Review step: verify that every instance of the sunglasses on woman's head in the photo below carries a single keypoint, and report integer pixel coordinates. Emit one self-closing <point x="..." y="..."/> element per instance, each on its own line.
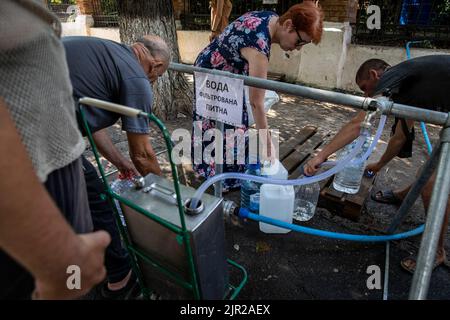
<point x="300" y="42"/>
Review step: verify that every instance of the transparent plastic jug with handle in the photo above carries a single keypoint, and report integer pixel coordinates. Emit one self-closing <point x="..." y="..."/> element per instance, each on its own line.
<point x="305" y="203"/>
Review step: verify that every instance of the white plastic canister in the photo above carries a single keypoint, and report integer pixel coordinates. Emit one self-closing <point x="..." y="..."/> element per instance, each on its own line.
<point x="276" y="202"/>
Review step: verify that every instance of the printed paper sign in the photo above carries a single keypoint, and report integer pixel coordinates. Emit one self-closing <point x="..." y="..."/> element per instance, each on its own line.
<point x="219" y="98"/>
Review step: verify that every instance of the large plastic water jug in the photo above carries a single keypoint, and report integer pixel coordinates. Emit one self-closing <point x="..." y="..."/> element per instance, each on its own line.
<point x="348" y="180"/>
<point x="274" y="170"/>
<point x="276" y="201"/>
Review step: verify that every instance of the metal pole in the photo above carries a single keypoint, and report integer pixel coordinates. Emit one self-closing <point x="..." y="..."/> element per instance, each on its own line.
<point x="219" y="165"/>
<point x="398" y="110"/>
<point x="313" y="93"/>
<point x="416" y="189"/>
<point x="386" y="271"/>
<point x="413" y="113"/>
<point x="436" y="213"/>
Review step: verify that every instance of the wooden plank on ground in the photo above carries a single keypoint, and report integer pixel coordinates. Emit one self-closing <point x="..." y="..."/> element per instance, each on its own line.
<point x="288" y="146"/>
<point x="294" y="162"/>
<point x="364" y="190"/>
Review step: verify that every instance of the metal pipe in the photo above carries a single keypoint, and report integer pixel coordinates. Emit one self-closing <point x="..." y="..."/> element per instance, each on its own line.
<point x="386" y="272"/>
<point x="313" y="93"/>
<point x="416" y="189"/>
<point x="436" y="213"/>
<point x="219" y="164"/>
<point x="398" y="110"/>
<point x="113" y="107"/>
<point x="413" y="113"/>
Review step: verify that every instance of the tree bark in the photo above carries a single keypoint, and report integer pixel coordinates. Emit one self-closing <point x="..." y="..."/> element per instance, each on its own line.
<point x="139" y="17"/>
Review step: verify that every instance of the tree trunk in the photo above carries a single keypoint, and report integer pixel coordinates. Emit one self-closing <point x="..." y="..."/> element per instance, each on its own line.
<point x="139" y="17"/>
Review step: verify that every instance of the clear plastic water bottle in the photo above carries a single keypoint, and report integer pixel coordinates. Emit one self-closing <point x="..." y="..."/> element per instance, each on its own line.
<point x="254" y="202"/>
<point x="249" y="188"/>
<point x="305" y="203"/>
<point x="348" y="180"/>
<point x="119" y="186"/>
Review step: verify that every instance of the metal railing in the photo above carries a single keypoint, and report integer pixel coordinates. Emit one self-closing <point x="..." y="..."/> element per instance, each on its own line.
<point x="440" y="157"/>
<point x="105" y="13"/>
<point x="403" y="21"/>
<point x="196" y="13"/>
<point x="62" y="11"/>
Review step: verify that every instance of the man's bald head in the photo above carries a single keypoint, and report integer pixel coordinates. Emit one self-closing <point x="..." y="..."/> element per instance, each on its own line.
<point x="157" y="47"/>
<point x="153" y="55"/>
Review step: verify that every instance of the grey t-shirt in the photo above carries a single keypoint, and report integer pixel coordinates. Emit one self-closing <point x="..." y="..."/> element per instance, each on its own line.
<point x="109" y="71"/>
<point x="35" y="85"/>
<point x="421" y="82"/>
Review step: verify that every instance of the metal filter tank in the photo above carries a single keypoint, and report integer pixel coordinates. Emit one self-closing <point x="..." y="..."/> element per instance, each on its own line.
<point x="206" y="231"/>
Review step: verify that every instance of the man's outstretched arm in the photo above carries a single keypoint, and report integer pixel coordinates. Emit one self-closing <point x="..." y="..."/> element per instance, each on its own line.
<point x="107" y="149"/>
<point x="394" y="146"/>
<point x="347" y="134"/>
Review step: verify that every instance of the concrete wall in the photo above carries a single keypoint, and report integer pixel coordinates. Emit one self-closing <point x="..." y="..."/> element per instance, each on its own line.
<point x="331" y="64"/>
<point x="357" y="54"/>
<point x="106" y="33"/>
<point x="190" y="43"/>
<point x="72" y="29"/>
<point x="319" y="64"/>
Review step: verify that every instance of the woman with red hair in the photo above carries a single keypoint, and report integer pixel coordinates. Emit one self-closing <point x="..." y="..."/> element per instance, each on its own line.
<point x="244" y="48"/>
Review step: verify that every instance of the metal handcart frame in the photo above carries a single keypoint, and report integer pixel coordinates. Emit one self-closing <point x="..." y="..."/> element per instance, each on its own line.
<point x="181" y="233"/>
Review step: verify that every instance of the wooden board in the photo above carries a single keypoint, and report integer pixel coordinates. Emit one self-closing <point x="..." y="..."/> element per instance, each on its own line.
<point x="347" y="205"/>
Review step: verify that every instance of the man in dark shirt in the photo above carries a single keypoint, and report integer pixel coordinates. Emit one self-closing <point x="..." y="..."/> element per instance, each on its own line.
<point x="110" y="71"/>
<point x="421" y="82"/>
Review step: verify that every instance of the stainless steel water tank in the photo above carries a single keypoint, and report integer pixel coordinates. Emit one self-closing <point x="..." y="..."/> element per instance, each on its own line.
<point x="206" y="231"/>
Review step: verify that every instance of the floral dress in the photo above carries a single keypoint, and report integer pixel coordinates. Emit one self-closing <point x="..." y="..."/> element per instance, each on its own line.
<point x="248" y="31"/>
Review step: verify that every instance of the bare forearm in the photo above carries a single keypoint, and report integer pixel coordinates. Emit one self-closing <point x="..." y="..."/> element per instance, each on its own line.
<point x="142" y="154"/>
<point x="29" y="220"/>
<point x="260" y="116"/>
<point x="108" y="149"/>
<point x="393" y="148"/>
<point x="147" y="165"/>
<point x="346" y="135"/>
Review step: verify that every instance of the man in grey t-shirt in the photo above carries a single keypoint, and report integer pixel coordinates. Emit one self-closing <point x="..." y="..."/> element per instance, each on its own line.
<point x="114" y="72"/>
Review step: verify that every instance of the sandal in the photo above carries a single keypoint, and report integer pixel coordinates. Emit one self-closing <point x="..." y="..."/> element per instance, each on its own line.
<point x="409" y="264"/>
<point x="386" y="196"/>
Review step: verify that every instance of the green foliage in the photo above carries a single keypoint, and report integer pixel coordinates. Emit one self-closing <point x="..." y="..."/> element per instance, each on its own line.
<point x="109" y="7"/>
